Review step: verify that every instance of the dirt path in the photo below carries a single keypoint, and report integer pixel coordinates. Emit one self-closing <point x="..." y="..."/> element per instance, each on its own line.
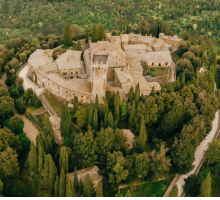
<point x="199" y="156"/>
<point x="3" y="78"/>
<point x="29" y="129"/>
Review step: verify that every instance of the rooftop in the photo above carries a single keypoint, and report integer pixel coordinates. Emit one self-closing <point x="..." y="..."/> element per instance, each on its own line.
<point x="146" y="39"/>
<point x="124" y="38"/>
<point x="124" y="76"/>
<point x="81" y="174"/>
<point x="174" y="38"/>
<point x="135" y="47"/>
<point x="127" y="133"/>
<point x="133" y="37"/>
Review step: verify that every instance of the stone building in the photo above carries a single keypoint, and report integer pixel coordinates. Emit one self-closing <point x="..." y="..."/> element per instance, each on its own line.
<point x="92" y="171"/>
<point x="130" y="138"/>
<point x="174" y="41"/>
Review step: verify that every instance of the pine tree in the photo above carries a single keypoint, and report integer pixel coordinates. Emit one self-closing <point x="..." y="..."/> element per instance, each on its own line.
<point x="182" y="83"/>
<point x="142" y="134"/>
<point x="78" y="46"/>
<point x="76" y="183"/>
<point x="67" y="35"/>
<point x="87" y="36"/>
<point x="117" y="107"/>
<point x="69" y="187"/>
<point x="96" y="103"/>
<point x="80" y="191"/>
<point x="131" y="117"/>
<point x="205" y="190"/>
<point x="65" y="124"/>
<point x="174" y="192"/>
<point x="169" y="88"/>
<point x="56" y="187"/>
<point x="32" y="158"/>
<point x="137" y="94"/>
<point x="128" y="194"/>
<point x="152" y="92"/>
<point x="99" y="191"/>
<point x="111" y="123"/>
<point x="88" y="187"/>
<point x="106" y="121"/>
<point x="62" y="182"/>
<point x="40" y="159"/>
<point x="75" y="104"/>
<point x="94" y="34"/>
<point x="63" y="159"/>
<point x="90" y="115"/>
<point x="162" y="88"/>
<point x="177" y="86"/>
<point x="95" y="120"/>
<point x="131" y="95"/>
<point x="101" y="33"/>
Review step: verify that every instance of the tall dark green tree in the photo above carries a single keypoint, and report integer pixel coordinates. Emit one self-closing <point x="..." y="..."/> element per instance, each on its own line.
<point x="137" y="94"/>
<point x="63" y="159"/>
<point x="96" y="102"/>
<point x="142" y="134"/>
<point x="90" y="115"/>
<point x="153" y="91"/>
<point x="99" y="191"/>
<point x="65" y="124"/>
<point x="88" y="187"/>
<point x="67" y="35"/>
<point x="177" y="86"/>
<point x="40" y="159"/>
<point x="124" y="108"/>
<point x="69" y="187"/>
<point x="182" y="83"/>
<point x="117" y="107"/>
<point x="111" y="122"/>
<point x="101" y="32"/>
<point x="80" y="191"/>
<point x="62" y="182"/>
<point x="75" y="104"/>
<point x="131" y="117"/>
<point x="87" y="36"/>
<point x="95" y="120"/>
<point x="1" y="188"/>
<point x="32" y="158"/>
<point x="213" y="60"/>
<point x="56" y="187"/>
<point x="131" y="95"/>
<point x="94" y="34"/>
<point x="78" y="46"/>
<point x="76" y="183"/>
<point x="205" y="190"/>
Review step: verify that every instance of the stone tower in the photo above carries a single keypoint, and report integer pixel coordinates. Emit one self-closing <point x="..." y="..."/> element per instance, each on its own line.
<point x="99" y="66"/>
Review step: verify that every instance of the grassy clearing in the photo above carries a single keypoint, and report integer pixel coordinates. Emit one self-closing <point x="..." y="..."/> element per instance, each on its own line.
<point x="154" y="189"/>
<point x="158" y="71"/>
<point x="31" y="109"/>
<point x="43" y="119"/>
<point x="55" y="103"/>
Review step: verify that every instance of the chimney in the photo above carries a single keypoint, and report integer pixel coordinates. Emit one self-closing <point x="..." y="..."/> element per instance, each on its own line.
<point x="58" y="55"/>
<point x="150" y="35"/>
<point x="145" y="34"/>
<point x="39" y="67"/>
<point x="67" y="60"/>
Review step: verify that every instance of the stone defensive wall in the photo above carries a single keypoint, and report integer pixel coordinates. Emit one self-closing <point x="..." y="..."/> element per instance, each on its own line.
<point x="159" y="79"/>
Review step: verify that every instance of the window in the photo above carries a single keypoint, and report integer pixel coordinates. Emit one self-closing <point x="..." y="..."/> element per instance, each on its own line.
<point x="76" y="72"/>
<point x="159" y="64"/>
<point x="82" y="96"/>
<point x="71" y="73"/>
<point x="166" y="63"/>
<point x="64" y="73"/>
<point x="77" y="77"/>
<point x="66" y="91"/>
<point x="71" y="77"/>
<point x="152" y="63"/>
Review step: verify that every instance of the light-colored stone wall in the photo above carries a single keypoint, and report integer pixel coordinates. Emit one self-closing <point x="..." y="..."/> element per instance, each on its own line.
<point x="114" y="90"/>
<point x="159" y="79"/>
<point x="161" y="64"/>
<point x="70" y="73"/>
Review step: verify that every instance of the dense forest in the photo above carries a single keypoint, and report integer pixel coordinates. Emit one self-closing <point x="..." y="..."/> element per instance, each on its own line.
<point x="26" y="17"/>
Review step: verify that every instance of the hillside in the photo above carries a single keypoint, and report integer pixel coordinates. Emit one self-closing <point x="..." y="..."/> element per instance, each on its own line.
<point x="26" y="18"/>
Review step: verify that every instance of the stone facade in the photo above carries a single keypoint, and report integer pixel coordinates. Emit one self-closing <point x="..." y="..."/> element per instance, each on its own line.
<point x="130" y="138"/>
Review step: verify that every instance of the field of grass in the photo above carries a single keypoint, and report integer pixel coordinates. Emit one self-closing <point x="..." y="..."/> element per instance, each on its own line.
<point x="55" y="103"/>
<point x="43" y="119"/>
<point x="158" y="71"/>
<point x="154" y="189"/>
<point x="31" y="109"/>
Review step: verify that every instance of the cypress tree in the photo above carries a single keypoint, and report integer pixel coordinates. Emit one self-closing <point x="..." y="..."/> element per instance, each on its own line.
<point x="197" y="82"/>
<point x="65" y="124"/>
<point x="90" y="115"/>
<point x="80" y="191"/>
<point x="128" y="194"/>
<point x="88" y="187"/>
<point x="32" y="158"/>
<point x="63" y="159"/>
<point x="111" y="123"/>
<point x="50" y="145"/>
<point x="52" y="174"/>
<point x="67" y="35"/>
<point x="212" y="70"/>
<point x="96" y="103"/>
<point x="76" y="183"/>
<point x="137" y="94"/>
<point x="131" y="117"/>
<point x="177" y="86"/>
<point x="169" y="88"/>
<point x="106" y="121"/>
<point x="87" y="36"/>
<point x="131" y="95"/>
<point x="75" y="104"/>
<point x="105" y="106"/>
<point x="56" y="187"/>
<point x="174" y="192"/>
<point x="1" y="188"/>
<point x="152" y="92"/>
<point x="118" y="194"/>
<point x="101" y="32"/>
<point x="62" y="188"/>
<point x="205" y="190"/>
<point x="124" y="109"/>
<point x="117" y="107"/>
<point x="213" y="60"/>
<point x="182" y="83"/>
<point x="95" y="120"/>
<point x="45" y="173"/>
<point x="142" y="97"/>
<point x="102" y="125"/>
<point x="99" y="191"/>
<point x="162" y="88"/>
<point x="40" y="159"/>
<point x="69" y="187"/>
<point x="94" y="34"/>
<point x="78" y="46"/>
<point x="202" y="57"/>
<point x="142" y="134"/>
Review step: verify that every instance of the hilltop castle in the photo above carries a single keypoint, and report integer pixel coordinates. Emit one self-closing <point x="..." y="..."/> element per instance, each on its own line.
<point x="113" y="65"/>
